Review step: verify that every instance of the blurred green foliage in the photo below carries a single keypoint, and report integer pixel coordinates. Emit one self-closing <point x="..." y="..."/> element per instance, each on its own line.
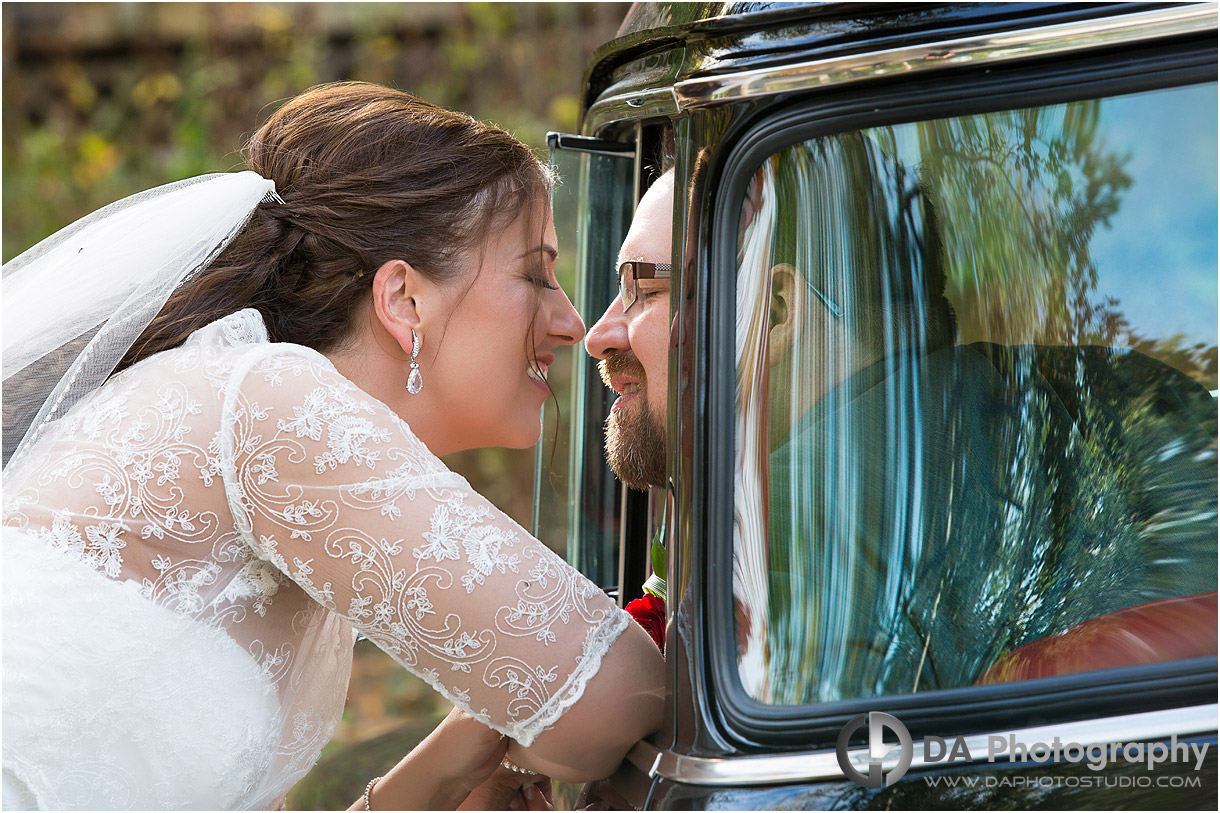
<point x="102" y="100"/>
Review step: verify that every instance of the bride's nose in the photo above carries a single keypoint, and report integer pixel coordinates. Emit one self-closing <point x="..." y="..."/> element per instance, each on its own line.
<point x="566" y="325"/>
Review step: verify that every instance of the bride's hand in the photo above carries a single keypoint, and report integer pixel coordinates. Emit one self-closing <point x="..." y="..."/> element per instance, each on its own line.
<point x="459" y="756"/>
<point x="509" y="790"/>
<point x="463" y="753"/>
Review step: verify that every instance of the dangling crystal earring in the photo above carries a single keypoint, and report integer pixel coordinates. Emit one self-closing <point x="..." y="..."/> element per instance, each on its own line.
<point x="415" y="381"/>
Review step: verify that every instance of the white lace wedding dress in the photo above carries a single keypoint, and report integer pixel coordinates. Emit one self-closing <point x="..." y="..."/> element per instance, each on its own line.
<point x="190" y="553"/>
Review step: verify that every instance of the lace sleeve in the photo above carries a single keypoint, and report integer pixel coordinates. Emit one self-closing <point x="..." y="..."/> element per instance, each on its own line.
<point x="333" y="488"/>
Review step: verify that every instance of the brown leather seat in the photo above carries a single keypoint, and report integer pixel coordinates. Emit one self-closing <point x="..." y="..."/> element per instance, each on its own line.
<point x="1165" y="630"/>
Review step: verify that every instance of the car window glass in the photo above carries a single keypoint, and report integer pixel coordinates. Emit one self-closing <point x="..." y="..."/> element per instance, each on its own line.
<point x="576" y="500"/>
<point x="975" y="400"/>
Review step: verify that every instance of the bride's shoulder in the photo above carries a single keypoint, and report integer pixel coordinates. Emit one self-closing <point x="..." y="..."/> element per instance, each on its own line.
<point x="238" y="351"/>
<point x="237" y="343"/>
<point x="250" y="373"/>
<point x="236" y="333"/>
<point x="235" y="354"/>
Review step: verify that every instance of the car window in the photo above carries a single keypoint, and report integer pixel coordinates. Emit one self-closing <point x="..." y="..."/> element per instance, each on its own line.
<point x="576" y="498"/>
<point x="975" y="399"/>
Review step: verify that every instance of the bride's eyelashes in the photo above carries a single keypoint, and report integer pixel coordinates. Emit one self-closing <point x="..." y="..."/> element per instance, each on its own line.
<point x="541" y="282"/>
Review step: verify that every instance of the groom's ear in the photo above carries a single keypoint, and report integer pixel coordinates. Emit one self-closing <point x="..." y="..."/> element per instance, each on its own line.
<point x="784" y="305"/>
<point x="403" y="300"/>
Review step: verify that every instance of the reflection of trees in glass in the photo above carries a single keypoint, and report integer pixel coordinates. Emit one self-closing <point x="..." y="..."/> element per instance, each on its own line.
<point x="1021" y="194"/>
<point x="1196" y="360"/>
<point x="1083" y="479"/>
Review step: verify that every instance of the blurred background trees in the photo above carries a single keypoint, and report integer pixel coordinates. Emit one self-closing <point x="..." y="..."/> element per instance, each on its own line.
<point x="102" y="100"/>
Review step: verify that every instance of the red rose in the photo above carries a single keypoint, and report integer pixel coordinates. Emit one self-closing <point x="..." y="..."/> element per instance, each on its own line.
<point x="649" y="613"/>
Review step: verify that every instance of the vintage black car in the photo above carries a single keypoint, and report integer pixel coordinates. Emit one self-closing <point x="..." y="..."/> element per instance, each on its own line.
<point x="942" y="400"/>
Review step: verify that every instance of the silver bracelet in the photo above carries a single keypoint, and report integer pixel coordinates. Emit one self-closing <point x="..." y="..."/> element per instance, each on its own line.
<point x="368" y="791"/>
<point x="508" y="763"/>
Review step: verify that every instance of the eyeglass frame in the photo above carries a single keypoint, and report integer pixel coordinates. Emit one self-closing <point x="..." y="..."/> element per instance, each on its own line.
<point x="636" y="270"/>
<point x="641" y="270"/>
<point x="834" y="309"/>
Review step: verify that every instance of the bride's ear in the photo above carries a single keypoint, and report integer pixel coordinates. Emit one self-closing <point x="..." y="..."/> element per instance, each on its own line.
<point x="401" y="296"/>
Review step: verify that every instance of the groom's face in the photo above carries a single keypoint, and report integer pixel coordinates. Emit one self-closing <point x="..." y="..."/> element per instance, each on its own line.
<point x="633" y="346"/>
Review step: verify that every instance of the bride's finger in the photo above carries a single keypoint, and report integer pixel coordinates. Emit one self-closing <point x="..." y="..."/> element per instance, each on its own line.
<point x="535" y="798"/>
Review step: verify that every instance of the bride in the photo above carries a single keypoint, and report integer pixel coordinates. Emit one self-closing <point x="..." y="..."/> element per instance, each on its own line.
<point x="224" y="401"/>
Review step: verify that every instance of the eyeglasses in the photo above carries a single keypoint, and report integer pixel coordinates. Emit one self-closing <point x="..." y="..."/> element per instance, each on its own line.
<point x="629" y="273"/>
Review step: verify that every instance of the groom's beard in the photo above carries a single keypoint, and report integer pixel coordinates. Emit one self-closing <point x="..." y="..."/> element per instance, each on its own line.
<point x="635" y="437"/>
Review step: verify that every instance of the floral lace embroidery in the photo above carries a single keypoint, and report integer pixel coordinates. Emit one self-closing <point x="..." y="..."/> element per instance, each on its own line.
<point x="390" y="549"/>
<point x="251" y="491"/>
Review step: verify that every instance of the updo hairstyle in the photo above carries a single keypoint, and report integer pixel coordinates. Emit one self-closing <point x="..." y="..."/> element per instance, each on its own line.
<point x="367" y="174"/>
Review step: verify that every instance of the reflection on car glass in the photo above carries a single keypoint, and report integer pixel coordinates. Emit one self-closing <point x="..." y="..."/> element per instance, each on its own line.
<point x="959" y="460"/>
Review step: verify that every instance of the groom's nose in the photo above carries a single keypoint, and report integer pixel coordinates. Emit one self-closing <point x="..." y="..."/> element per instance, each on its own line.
<point x="609" y="333"/>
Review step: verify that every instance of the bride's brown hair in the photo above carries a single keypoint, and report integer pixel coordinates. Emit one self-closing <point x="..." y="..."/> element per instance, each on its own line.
<point x="367" y="174"/>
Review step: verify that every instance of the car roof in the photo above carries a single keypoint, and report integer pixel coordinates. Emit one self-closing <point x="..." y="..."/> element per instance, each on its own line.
<point x="707" y="39"/>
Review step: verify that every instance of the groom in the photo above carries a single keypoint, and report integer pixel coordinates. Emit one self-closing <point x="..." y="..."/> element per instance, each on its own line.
<point x="632" y="342"/>
<point x="631" y="339"/>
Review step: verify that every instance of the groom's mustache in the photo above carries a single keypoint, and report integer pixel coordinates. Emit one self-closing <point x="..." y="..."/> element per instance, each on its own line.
<point x="622" y="362"/>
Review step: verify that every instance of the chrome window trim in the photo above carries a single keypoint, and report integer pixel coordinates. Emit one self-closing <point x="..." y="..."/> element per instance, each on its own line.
<point x="637" y="104"/>
<point x="824" y="765"/>
<point x="999" y="47"/>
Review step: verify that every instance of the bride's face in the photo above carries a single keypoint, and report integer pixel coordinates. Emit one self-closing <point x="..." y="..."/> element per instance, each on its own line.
<point x="506" y="317"/>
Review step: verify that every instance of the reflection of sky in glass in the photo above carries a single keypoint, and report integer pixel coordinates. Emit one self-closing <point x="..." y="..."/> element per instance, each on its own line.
<point x="1158" y="257"/>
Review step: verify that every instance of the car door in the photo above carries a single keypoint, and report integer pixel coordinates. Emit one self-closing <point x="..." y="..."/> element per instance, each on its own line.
<point x="943" y="424"/>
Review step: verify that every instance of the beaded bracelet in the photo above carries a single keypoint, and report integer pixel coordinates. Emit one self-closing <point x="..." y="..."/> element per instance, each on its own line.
<point x="368" y="791"/>
<point x="507" y="763"/>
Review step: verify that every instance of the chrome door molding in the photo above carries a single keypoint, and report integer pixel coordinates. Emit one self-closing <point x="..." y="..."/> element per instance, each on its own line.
<point x="634" y="105"/>
<point x="1062" y="38"/>
<point x="824" y="765"/>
